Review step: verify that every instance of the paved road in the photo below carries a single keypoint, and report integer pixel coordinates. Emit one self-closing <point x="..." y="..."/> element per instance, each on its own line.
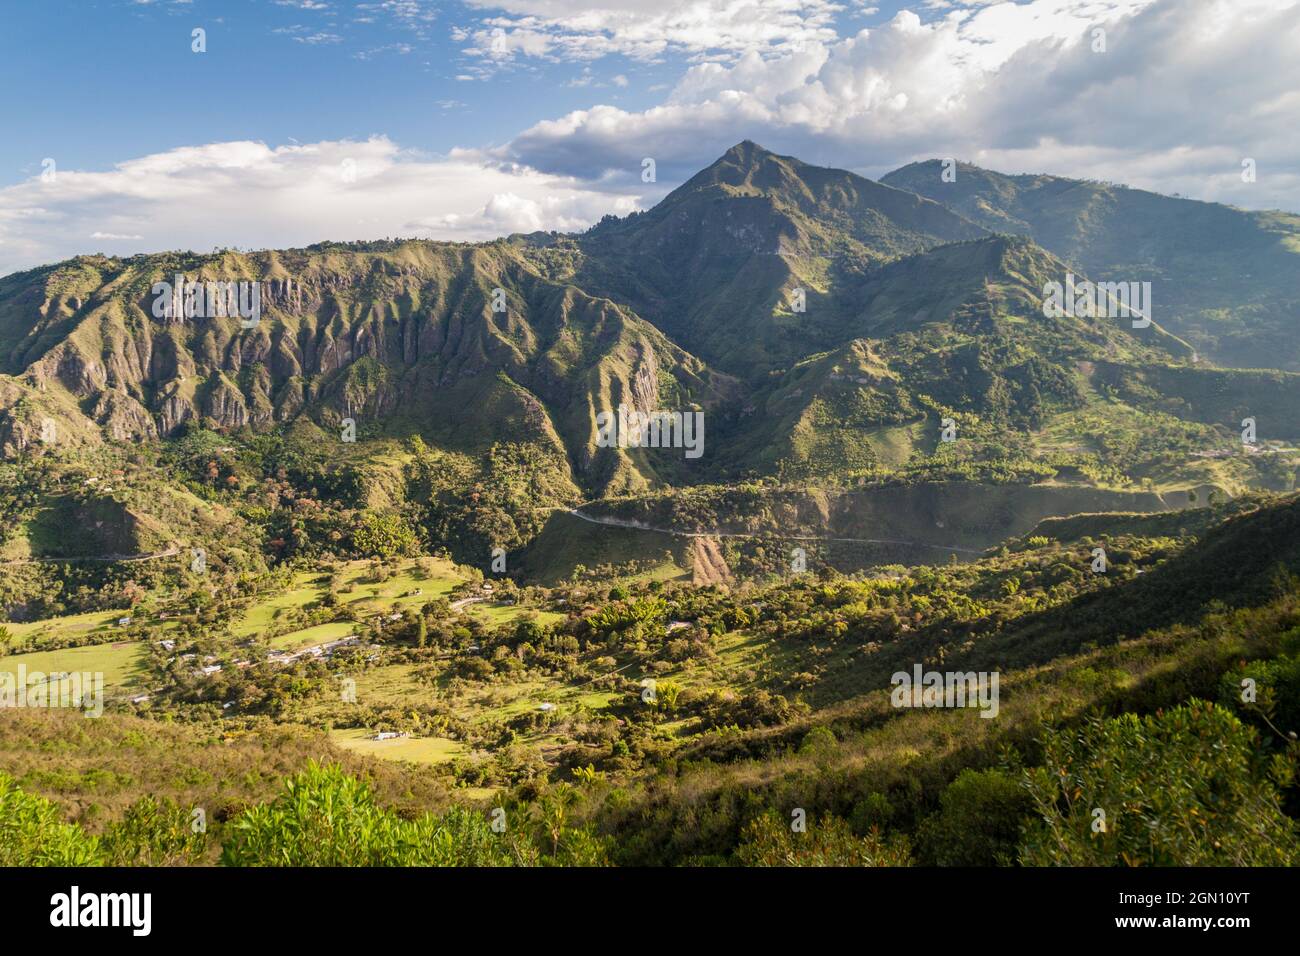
<point x="641" y="526"/>
<point x="169" y="553"/>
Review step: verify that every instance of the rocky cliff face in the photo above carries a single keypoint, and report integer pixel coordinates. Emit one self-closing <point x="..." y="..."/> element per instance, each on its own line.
<point x="833" y="318"/>
<point x="467" y="343"/>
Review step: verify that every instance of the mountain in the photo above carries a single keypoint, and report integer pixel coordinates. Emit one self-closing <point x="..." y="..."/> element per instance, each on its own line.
<point x="957" y="327"/>
<point x="1225" y="279"/>
<point x="396" y="336"/>
<point x="716" y="263"/>
<point x="825" y="326"/>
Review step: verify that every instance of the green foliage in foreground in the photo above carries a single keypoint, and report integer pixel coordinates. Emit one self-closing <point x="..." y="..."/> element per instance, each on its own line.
<point x="152" y="833"/>
<point x="32" y="834"/>
<point x="156" y="833"/>
<point x="979" y="820"/>
<point x="1176" y="789"/>
<point x="1180" y="788"/>
<point x="327" y="818"/>
<point x="324" y="818"/>
<point x="771" y="841"/>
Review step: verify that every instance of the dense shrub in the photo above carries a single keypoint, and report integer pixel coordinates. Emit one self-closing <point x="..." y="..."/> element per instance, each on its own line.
<point x="327" y="818"/>
<point x="155" y="833"/>
<point x="1175" y="789"/>
<point x="979" y="821"/>
<point x="770" y="840"/>
<point x="32" y="833"/>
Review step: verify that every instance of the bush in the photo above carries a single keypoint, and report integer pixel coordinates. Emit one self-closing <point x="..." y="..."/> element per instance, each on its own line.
<point x="32" y="834"/>
<point x="1181" y="788"/>
<point x="979" y="821"/>
<point x="154" y="833"/>
<point x="769" y="841"/>
<point x="327" y="818"/>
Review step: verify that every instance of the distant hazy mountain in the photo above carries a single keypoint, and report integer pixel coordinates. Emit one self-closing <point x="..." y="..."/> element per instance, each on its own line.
<point x="1226" y="279"/>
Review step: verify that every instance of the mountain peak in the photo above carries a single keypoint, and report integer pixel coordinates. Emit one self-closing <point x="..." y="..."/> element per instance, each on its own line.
<point x="746" y="151"/>
<point x="749" y="166"/>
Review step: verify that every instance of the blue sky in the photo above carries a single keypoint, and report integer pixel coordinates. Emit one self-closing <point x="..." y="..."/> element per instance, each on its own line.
<point x="98" y="81"/>
<point x="312" y="119"/>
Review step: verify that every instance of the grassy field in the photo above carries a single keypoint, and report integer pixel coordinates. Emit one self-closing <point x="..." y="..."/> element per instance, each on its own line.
<point x="567" y="542"/>
<point x="505" y="613"/>
<point x="121" y="664"/>
<point x="71" y="625"/>
<point x="427" y="750"/>
<point x="312" y="635"/>
<point x="409" y="587"/>
<point x="308" y="587"/>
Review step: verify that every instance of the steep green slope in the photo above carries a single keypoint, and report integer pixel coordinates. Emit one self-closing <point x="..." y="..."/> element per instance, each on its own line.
<point x="1226" y="279"/>
<point x="1244" y="561"/>
<point x="399" y="337"/>
<point x="718" y="262"/>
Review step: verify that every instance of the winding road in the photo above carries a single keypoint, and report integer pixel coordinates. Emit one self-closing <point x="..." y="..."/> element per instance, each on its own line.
<point x="642" y="526"/>
<point x="111" y="558"/>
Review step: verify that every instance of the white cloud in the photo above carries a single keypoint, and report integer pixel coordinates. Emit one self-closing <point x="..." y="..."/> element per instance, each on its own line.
<point x="413" y="15"/>
<point x="251" y="195"/>
<point x="1185" y="89"/>
<point x="398" y="48"/>
<point x="580" y="30"/>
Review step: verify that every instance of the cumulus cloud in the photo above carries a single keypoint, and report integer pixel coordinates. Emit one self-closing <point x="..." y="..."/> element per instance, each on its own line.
<point x="251" y="195"/>
<point x="1183" y="91"/>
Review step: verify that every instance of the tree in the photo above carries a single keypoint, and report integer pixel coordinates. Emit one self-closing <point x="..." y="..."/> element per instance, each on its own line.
<point x="979" y="820"/>
<point x="552" y="812"/>
<point x="1185" y="787"/>
<point x="383" y="535"/>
